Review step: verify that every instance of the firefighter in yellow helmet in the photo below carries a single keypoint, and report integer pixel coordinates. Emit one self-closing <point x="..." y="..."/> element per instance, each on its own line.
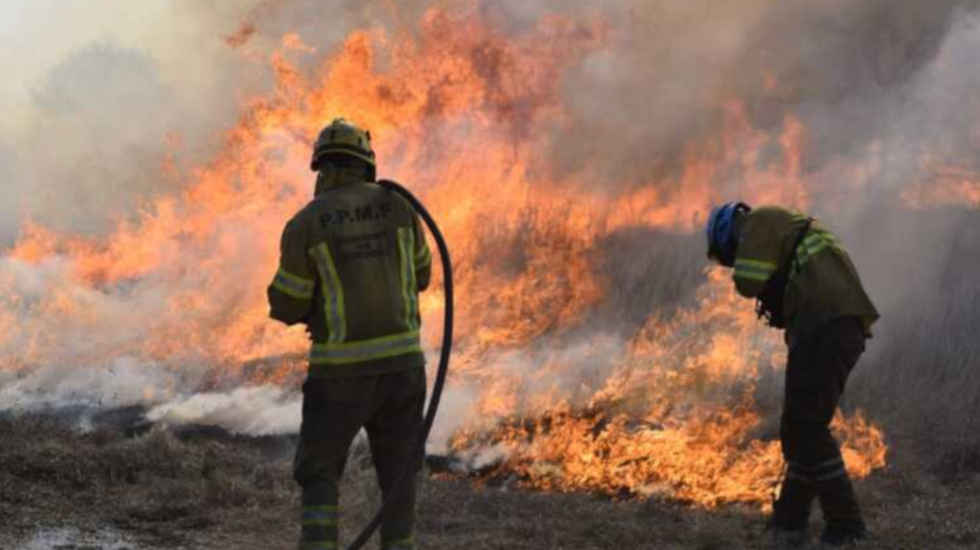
<point x="352" y="264"/>
<point x="804" y="282"/>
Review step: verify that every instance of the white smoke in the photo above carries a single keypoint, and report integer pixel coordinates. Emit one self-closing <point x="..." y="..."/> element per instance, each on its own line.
<point x="102" y="95"/>
<point x="108" y="93"/>
<point x="455" y="407"/>
<point x="123" y="381"/>
<point x="262" y="410"/>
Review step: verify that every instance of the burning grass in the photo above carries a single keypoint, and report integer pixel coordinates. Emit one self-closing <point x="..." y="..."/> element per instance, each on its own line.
<point x="601" y="358"/>
<point x="208" y="489"/>
<point x="714" y="459"/>
<point x="682" y="412"/>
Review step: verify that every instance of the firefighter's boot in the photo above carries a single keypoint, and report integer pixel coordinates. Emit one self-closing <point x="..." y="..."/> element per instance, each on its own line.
<point x="791" y="512"/>
<point x="841" y="513"/>
<point x="786" y="539"/>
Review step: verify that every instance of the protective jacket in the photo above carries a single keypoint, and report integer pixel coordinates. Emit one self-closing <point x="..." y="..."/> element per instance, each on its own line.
<point x="352" y="264"/>
<point x="823" y="283"/>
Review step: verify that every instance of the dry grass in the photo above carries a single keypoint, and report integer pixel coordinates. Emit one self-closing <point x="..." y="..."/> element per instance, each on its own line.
<point x="209" y="491"/>
<point x="163" y="490"/>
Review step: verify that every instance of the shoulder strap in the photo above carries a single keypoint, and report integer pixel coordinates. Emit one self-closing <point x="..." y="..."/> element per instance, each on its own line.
<point x="788" y="264"/>
<point x="770" y="301"/>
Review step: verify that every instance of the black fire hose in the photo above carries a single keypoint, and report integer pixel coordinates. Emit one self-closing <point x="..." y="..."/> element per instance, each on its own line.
<point x="447" y="343"/>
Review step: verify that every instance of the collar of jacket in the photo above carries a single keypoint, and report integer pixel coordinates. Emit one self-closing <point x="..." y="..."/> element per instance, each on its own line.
<point x="332" y="176"/>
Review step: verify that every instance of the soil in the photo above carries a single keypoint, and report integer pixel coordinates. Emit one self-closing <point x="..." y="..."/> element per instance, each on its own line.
<point x="116" y="486"/>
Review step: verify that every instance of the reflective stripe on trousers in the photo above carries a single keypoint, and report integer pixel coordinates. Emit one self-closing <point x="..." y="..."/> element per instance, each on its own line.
<point x="319" y="525"/>
<point x="320" y="515"/>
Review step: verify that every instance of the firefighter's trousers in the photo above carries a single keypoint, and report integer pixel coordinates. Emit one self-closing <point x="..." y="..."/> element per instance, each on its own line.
<point x="816" y="373"/>
<point x="389" y="407"/>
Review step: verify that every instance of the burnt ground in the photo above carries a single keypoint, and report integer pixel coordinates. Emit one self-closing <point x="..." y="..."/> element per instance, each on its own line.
<point x="150" y="487"/>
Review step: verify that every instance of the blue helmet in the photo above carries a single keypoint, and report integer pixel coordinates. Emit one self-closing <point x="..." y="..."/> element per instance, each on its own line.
<point x="721" y="232"/>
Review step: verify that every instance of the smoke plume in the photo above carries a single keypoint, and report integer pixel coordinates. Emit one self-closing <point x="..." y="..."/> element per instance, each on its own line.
<point x="633" y="117"/>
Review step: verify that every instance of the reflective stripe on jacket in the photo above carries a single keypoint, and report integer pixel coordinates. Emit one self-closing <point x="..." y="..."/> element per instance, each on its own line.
<point x="352" y="264"/>
<point x="823" y="282"/>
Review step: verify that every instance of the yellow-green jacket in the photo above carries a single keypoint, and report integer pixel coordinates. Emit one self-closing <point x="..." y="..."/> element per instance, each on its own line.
<point x="352" y="264"/>
<point x="823" y="282"/>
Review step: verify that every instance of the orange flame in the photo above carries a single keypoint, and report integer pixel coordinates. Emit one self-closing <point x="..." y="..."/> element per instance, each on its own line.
<point x="677" y="417"/>
<point x="950" y="185"/>
<point x="458" y="112"/>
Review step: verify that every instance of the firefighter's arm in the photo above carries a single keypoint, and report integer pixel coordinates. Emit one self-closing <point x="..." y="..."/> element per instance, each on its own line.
<point x="423" y="257"/>
<point x="756" y="257"/>
<point x="291" y="290"/>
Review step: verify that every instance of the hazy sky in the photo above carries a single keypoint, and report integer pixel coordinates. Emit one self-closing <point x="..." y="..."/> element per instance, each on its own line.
<point x="93" y="89"/>
<point x="36" y="35"/>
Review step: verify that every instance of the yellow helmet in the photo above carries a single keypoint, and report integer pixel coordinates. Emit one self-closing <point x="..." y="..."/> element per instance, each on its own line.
<point x="343" y="138"/>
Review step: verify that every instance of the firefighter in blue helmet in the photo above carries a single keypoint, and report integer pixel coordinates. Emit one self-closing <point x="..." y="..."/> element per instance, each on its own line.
<point x="804" y="282"/>
<point x="352" y="264"/>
